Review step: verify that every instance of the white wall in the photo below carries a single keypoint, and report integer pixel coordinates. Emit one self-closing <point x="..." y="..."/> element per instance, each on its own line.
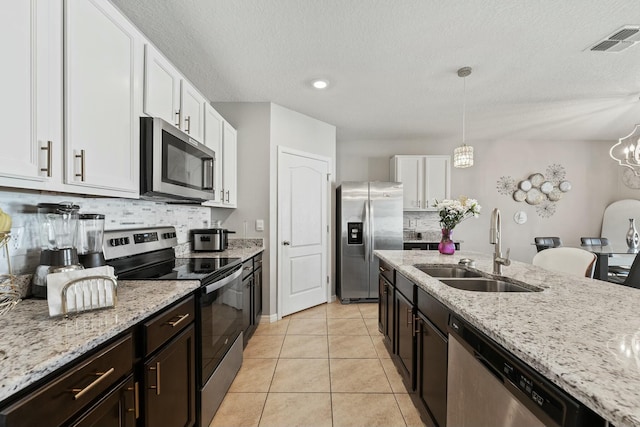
<point x="594" y="176"/>
<point x="262" y="127"/>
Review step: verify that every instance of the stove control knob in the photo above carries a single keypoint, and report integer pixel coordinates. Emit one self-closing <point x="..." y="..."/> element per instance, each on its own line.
<point x="124" y="241"/>
<point x="114" y="242"/>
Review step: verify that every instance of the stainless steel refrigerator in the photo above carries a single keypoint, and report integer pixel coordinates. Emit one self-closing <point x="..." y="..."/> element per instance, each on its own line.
<point x="369" y="215"/>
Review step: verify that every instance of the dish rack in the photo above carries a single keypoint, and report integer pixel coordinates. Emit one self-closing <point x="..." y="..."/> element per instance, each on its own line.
<point x="9" y="292"/>
<point x="91" y="293"/>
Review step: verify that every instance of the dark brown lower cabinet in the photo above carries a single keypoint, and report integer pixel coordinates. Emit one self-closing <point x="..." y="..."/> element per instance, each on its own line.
<point x="404" y="321"/>
<point x="117" y="409"/>
<point x="432" y="369"/>
<point x="385" y="311"/>
<point x="170" y="383"/>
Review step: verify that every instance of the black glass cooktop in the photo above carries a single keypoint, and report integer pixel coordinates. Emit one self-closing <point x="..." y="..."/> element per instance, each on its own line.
<point x="169" y="268"/>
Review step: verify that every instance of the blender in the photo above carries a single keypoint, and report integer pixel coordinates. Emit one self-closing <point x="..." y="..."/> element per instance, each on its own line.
<point x="58" y="231"/>
<point x="90" y="234"/>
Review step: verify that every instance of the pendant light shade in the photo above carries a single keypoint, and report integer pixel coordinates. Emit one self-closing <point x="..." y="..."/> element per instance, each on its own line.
<point x="627" y="151"/>
<point x="463" y="155"/>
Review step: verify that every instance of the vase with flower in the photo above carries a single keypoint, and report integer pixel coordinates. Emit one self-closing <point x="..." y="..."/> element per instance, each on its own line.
<point x="452" y="212"/>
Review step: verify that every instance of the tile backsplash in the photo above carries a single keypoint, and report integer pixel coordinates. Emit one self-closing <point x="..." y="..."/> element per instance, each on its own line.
<point x="425" y="223"/>
<point x="24" y="248"/>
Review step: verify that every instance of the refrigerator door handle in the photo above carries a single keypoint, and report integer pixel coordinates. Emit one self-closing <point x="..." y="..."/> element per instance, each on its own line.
<point x="367" y="231"/>
<point x="371" y="231"/>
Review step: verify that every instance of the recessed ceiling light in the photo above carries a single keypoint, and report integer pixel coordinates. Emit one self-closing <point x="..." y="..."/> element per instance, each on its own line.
<point x="320" y="84"/>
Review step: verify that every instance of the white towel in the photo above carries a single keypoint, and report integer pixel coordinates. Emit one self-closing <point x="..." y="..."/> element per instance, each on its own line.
<point x="85" y="295"/>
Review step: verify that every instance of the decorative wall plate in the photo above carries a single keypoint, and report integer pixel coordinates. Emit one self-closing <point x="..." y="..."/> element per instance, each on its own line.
<point x="564" y="186"/>
<point x="630" y="179"/>
<point x="534" y="197"/>
<point x="519" y="196"/>
<point x="546" y="187"/>
<point x="555" y="195"/>
<point x="525" y="185"/>
<point x="536" y="179"/>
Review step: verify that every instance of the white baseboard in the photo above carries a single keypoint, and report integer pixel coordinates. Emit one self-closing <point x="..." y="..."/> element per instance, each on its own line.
<point x="332" y="298"/>
<point x="269" y="318"/>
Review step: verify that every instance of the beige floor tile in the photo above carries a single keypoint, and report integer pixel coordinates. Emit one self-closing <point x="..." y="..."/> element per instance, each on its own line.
<point x="297" y="409"/>
<point x="301" y="376"/>
<point x="254" y="376"/>
<point x="358" y="376"/>
<point x="351" y="346"/>
<point x="369" y="310"/>
<point x="307" y="327"/>
<point x="409" y="411"/>
<point x="372" y="327"/>
<point x="337" y="310"/>
<point x="240" y="409"/>
<point x="381" y="349"/>
<point x="365" y="410"/>
<point x="263" y="347"/>
<point x="347" y="327"/>
<point x="394" y="377"/>
<point x="305" y="346"/>
<point x="273" y="328"/>
<point x="317" y="312"/>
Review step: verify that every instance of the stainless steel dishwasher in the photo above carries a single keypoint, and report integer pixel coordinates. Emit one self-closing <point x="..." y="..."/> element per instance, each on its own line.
<point x="488" y="386"/>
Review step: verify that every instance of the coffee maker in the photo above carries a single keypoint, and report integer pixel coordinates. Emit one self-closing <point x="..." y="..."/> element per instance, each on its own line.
<point x="58" y="231"/>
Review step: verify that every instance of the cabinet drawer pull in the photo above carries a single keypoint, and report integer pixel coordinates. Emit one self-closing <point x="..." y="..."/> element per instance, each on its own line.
<point x="49" y="156"/>
<point x="227" y="196"/>
<point x="82" y="391"/>
<point x="222" y="195"/>
<point x="188" y="121"/>
<point x="382" y="269"/>
<point x="81" y="157"/>
<point x="180" y="319"/>
<point x="157" y="386"/>
<point x="178" y="117"/>
<point x="409" y="317"/>
<point x="136" y="401"/>
<point x="416" y="326"/>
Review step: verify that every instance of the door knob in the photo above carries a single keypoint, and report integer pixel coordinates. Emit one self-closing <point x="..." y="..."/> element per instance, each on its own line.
<point x="286" y="243"/>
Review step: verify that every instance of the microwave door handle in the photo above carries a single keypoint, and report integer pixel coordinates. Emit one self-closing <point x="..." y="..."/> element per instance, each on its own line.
<point x="207" y="173"/>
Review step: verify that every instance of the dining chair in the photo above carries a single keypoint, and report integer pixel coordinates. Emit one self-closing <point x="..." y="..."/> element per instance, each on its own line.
<point x="594" y="241"/>
<point x="632" y="279"/>
<point x="543" y="243"/>
<point x="567" y="260"/>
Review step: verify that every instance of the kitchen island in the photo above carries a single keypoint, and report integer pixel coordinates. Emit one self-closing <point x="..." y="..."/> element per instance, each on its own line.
<point x="581" y="334"/>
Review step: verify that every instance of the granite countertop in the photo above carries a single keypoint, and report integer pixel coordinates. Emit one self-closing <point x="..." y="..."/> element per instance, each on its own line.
<point x="582" y="334"/>
<point x="33" y="345"/>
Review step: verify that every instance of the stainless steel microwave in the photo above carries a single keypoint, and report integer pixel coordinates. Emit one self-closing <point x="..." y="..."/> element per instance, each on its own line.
<point x="173" y="166"/>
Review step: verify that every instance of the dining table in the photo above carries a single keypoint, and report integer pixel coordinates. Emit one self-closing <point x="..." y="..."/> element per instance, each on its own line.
<point x="605" y="252"/>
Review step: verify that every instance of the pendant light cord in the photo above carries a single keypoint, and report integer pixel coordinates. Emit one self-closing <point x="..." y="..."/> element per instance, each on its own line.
<point x="464" y="107"/>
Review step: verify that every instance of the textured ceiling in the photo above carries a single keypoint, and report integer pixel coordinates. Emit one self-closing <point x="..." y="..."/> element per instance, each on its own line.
<point x="392" y="64"/>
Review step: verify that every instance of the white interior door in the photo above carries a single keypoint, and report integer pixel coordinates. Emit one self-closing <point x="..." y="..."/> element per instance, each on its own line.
<point x="302" y="230"/>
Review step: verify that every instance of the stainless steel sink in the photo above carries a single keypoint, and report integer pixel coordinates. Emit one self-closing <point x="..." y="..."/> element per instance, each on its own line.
<point x="485" y="284"/>
<point x="446" y="271"/>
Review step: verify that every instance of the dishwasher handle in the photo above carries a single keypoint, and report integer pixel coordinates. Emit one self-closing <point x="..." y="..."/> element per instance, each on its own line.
<point x="496" y="373"/>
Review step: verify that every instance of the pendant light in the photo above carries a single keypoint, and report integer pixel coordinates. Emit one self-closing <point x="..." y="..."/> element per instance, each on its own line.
<point x="463" y="155"/>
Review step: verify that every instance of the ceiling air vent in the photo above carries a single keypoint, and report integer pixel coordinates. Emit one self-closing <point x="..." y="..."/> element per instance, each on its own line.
<point x="621" y="39"/>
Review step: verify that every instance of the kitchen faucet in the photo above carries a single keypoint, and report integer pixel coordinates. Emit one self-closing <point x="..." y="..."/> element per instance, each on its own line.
<point x="495" y="236"/>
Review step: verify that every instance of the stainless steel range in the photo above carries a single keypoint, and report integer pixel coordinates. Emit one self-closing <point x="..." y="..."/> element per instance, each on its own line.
<point x="148" y="254"/>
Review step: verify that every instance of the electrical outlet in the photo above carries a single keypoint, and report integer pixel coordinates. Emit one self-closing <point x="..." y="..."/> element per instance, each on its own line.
<point x="15" y="244"/>
<point x="259" y="225"/>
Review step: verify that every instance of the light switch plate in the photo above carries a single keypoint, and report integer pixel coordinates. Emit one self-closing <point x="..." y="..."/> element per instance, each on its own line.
<point x="259" y="225"/>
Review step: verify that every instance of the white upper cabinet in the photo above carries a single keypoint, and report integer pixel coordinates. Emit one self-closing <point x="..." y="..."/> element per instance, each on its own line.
<point x="168" y="95"/>
<point x="425" y="179"/>
<point x="103" y="97"/>
<point x="229" y="166"/>
<point x="161" y="87"/>
<point x="30" y="38"/>
<point x="192" y="111"/>
<point x="213" y="131"/>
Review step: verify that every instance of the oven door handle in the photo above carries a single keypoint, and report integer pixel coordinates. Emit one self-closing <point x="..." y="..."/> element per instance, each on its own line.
<point x="222" y="282"/>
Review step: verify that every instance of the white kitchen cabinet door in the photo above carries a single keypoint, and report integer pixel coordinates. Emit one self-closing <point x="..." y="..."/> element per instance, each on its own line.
<point x="30" y="37"/>
<point x="192" y="111"/>
<point x="424" y="179"/>
<point x="230" y="166"/>
<point x="103" y="87"/>
<point x="437" y="179"/>
<point x="409" y="171"/>
<point x="213" y="134"/>
<point x="161" y="87"/>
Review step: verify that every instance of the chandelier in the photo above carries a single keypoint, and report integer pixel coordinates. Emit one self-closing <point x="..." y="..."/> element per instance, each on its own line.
<point x="627" y="151"/>
<point x="463" y="155"/>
